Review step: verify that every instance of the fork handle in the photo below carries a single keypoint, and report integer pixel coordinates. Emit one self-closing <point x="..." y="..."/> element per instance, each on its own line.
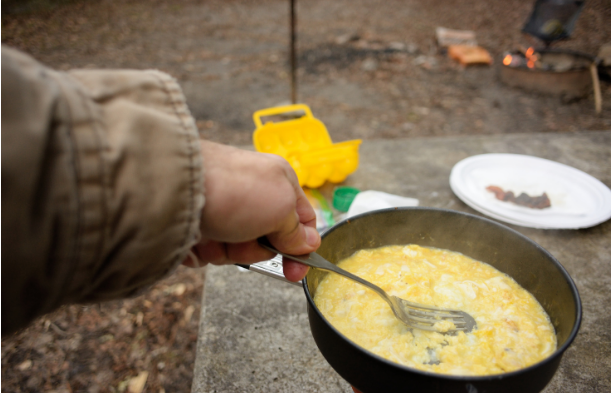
<point x="317" y="261"/>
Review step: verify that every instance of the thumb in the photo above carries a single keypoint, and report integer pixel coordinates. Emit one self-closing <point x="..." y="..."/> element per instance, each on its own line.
<point x="298" y="234"/>
<point x="303" y="239"/>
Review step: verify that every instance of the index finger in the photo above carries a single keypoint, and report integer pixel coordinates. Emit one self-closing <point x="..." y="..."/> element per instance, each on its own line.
<point x="294" y="271"/>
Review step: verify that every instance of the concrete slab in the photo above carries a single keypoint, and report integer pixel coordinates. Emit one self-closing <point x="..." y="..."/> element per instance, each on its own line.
<point x="254" y="333"/>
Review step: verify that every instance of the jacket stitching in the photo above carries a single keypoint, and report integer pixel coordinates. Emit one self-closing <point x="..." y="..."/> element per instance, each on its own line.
<point x="175" y="100"/>
<point x="76" y="172"/>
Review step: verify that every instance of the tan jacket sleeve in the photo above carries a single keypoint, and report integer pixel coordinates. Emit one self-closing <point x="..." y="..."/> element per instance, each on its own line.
<point x="102" y="184"/>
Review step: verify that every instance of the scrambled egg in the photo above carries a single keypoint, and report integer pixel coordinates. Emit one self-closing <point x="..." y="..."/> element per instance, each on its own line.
<point x="513" y="331"/>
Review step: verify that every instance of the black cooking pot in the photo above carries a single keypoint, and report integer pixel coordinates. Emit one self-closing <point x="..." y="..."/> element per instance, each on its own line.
<point x="531" y="266"/>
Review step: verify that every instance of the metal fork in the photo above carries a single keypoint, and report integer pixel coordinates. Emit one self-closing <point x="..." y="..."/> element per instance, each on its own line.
<point x="414" y="315"/>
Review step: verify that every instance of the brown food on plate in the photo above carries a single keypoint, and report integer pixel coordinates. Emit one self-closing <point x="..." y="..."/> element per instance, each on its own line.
<point x="536" y="202"/>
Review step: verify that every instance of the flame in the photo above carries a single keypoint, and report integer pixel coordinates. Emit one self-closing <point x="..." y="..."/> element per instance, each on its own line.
<point x="527" y="57"/>
<point x="531" y="57"/>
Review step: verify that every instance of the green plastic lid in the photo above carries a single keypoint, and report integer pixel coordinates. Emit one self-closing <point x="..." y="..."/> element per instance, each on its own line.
<point x="343" y="197"/>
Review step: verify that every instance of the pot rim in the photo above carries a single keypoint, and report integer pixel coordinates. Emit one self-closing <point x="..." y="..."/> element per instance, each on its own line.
<point x="461" y="378"/>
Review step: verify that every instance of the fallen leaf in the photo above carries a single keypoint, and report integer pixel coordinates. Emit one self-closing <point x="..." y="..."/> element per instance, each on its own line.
<point x="189" y="313"/>
<point x="139" y="318"/>
<point x="136" y="384"/>
<point x="26" y="365"/>
<point x="179" y="289"/>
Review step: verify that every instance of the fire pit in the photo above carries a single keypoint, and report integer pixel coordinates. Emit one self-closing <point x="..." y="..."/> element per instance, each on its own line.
<point x="549" y="71"/>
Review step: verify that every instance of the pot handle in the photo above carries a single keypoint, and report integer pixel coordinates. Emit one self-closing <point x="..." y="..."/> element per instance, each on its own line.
<point x="271" y="268"/>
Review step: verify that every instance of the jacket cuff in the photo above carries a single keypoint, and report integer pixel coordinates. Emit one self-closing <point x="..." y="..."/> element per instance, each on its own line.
<point x="140" y="175"/>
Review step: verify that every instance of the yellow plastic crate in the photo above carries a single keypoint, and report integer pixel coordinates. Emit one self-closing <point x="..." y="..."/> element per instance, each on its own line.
<point x="306" y="145"/>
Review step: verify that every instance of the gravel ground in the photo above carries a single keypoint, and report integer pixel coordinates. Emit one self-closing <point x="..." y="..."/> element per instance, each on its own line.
<point x="368" y="69"/>
<point x="107" y="347"/>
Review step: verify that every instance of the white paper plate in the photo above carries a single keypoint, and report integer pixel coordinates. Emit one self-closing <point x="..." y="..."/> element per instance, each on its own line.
<point x="578" y="200"/>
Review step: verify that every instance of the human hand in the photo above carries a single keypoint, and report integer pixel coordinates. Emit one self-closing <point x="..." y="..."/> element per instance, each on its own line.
<point x="249" y="195"/>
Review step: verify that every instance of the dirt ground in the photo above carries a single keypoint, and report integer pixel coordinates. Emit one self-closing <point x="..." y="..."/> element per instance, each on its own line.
<point x="368" y="69"/>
